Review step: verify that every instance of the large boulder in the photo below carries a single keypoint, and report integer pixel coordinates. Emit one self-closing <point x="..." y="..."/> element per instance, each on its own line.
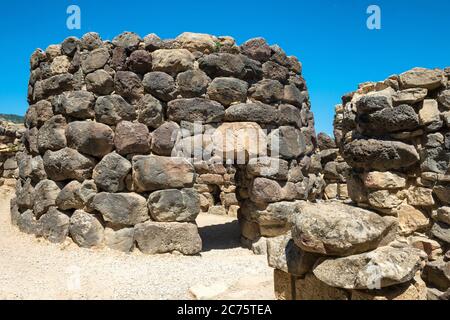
<point x="422" y="78"/>
<point x="288" y="142"/>
<point x="85" y="229"/>
<point x="76" y="104"/>
<point x="127" y="40"/>
<point x="227" y="90"/>
<point x="151" y="173"/>
<point x="94" y="60"/>
<point x="195" y="110"/>
<point x="121" y="208"/>
<point x="51" y="135"/>
<point x="252" y="112"/>
<point x="162" y="237"/>
<point x="45" y="196"/>
<point x="380" y="155"/>
<point x="172" y="61"/>
<point x="197" y="42"/>
<point x="192" y="83"/>
<point x="164" y="138"/>
<point x="174" y="205"/>
<point x="91" y="138"/>
<point x="336" y="229"/>
<point x="38" y="114"/>
<point x="119" y="239"/>
<point x="128" y="85"/>
<point x="160" y="84"/>
<point x="140" y="62"/>
<point x="383" y="267"/>
<point x="55" y="225"/>
<point x="31" y="168"/>
<point x="132" y="138"/>
<point x="69" y="197"/>
<point x="257" y="48"/>
<point x="112" y="109"/>
<point x="222" y="65"/>
<point x="150" y="111"/>
<point x="110" y="173"/>
<point x="267" y="91"/>
<point x="100" y="82"/>
<point x="68" y="164"/>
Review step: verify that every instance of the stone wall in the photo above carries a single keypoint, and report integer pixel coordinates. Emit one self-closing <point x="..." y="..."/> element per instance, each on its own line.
<point x="393" y="134"/>
<point x="10" y="144"/>
<point x="128" y="140"/>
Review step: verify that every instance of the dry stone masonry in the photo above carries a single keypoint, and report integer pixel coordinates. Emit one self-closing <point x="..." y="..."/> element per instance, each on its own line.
<point x="393" y="243"/>
<point x="10" y="143"/>
<point x="128" y="140"/>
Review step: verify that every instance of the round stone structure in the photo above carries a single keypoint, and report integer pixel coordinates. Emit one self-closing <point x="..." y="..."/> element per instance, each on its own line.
<point x="128" y="140"/>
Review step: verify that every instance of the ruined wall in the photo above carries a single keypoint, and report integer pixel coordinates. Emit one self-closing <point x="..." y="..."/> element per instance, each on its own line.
<point x="394" y="136"/>
<point x="128" y="140"/>
<point x="10" y="144"/>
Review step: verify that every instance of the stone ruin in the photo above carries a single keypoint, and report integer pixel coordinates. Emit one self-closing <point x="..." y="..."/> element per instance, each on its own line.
<point x="128" y="140"/>
<point x="10" y="144"/>
<point x="393" y="243"/>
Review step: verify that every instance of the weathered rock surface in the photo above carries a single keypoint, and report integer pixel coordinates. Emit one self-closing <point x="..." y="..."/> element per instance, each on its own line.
<point x="110" y="173"/>
<point x="67" y="164"/>
<point x="85" y="229"/>
<point x="174" y="205"/>
<point x="90" y="138"/>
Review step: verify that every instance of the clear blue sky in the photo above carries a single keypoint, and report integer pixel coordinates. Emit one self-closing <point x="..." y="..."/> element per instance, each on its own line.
<point x="330" y="37"/>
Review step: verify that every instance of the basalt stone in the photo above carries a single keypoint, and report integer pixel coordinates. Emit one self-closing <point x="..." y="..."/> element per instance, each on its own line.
<point x="325" y="142"/>
<point x="37" y="57"/>
<point x="172" y="61"/>
<point x="422" y="78"/>
<point x="112" y="109"/>
<point x="160" y="84"/>
<point x="32" y="168"/>
<point x="292" y="95"/>
<point x="252" y="69"/>
<point x="76" y="104"/>
<point x="151" y="173"/>
<point x="91" y="138"/>
<point x="27" y="223"/>
<point x="192" y="83"/>
<point x="94" y="60"/>
<point x="437" y="273"/>
<point x="289" y="116"/>
<point x="222" y="65"/>
<point x="174" y="205"/>
<point x="275" y="71"/>
<point x="197" y="42"/>
<point x="128" y="85"/>
<point x="441" y="231"/>
<point x="120" y="239"/>
<point x="69" y="46"/>
<point x="38" y="114"/>
<point x="251" y="112"/>
<point x="121" y="208"/>
<point x="67" y="164"/>
<point x="140" y="62"/>
<point x="150" y="111"/>
<point x="127" y="40"/>
<point x="164" y="138"/>
<point x="100" y="82"/>
<point x="257" y="49"/>
<point x="336" y="229"/>
<point x="152" y="42"/>
<point x="85" y="229"/>
<point x="110" y="173"/>
<point x="380" y="155"/>
<point x="132" y="138"/>
<point x="69" y="197"/>
<point x="265" y="190"/>
<point x="55" y="225"/>
<point x="267" y="91"/>
<point x="163" y="237"/>
<point x="25" y="195"/>
<point x="91" y="41"/>
<point x="45" y="196"/>
<point x="53" y="86"/>
<point x="266" y="167"/>
<point x="195" y="110"/>
<point x="384" y="267"/>
<point x="51" y="135"/>
<point x="228" y="90"/>
<point x="119" y="59"/>
<point x="372" y="103"/>
<point x="288" y="142"/>
<point x="409" y="96"/>
<point x="401" y="118"/>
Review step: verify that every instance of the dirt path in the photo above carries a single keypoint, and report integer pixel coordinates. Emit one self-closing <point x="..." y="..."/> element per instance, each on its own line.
<point x="31" y="268"/>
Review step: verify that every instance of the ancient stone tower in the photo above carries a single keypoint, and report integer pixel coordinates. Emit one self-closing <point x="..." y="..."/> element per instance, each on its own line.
<point x="128" y="140"/>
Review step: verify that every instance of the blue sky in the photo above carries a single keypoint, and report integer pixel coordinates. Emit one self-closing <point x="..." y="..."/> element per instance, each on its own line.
<point x="330" y="37"/>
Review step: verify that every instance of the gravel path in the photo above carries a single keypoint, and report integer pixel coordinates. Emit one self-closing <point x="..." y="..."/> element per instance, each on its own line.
<point x="31" y="268"/>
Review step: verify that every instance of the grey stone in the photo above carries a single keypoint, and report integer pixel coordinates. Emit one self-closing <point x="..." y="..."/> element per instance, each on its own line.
<point x="292" y="95"/>
<point x="151" y="173"/>
<point x="160" y="84"/>
<point x="110" y="173"/>
<point x="76" y="104"/>
<point x="222" y="65"/>
<point x="174" y="205"/>
<point x="100" y="82"/>
<point x="120" y="240"/>
<point x="38" y="114"/>
<point x="91" y="138"/>
<point x="51" y="135"/>
<point x="112" y="109"/>
<point x="383" y="267"/>
<point x="192" y="83"/>
<point x="55" y="225"/>
<point x="251" y="112"/>
<point x="127" y="40"/>
<point x="164" y="138"/>
<point x="267" y="91"/>
<point x="273" y="70"/>
<point x="67" y="164"/>
<point x="69" y="197"/>
<point x="287" y="142"/>
<point x="163" y="237"/>
<point x="94" y="60"/>
<point x="441" y="231"/>
<point x="121" y="208"/>
<point x="195" y="110"/>
<point x="257" y="49"/>
<point x="45" y="196"/>
<point x="128" y="85"/>
<point x="140" y="62"/>
<point x="228" y="90"/>
<point x="337" y="229"/>
<point x="85" y="229"/>
<point x="91" y="41"/>
<point x="150" y="111"/>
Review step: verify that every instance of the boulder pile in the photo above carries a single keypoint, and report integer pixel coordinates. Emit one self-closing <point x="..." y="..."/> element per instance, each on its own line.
<point x="128" y="140"/>
<point x="394" y="136"/>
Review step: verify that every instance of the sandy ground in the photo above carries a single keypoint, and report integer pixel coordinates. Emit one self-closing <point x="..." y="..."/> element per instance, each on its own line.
<point x="32" y="268"/>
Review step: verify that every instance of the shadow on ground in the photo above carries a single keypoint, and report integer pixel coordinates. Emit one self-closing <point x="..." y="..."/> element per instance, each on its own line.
<point x="220" y="236"/>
